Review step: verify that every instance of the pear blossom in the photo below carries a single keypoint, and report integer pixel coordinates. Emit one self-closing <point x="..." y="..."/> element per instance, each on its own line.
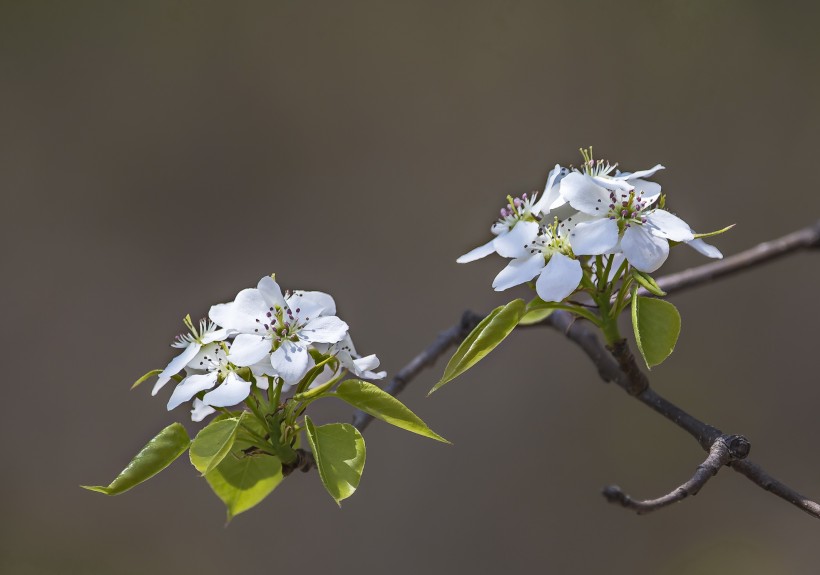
<point x="270" y="326"/>
<point x="213" y="360"/>
<point x="191" y="343"/>
<point x="352" y="361"/>
<point x="518" y="224"/>
<point x="625" y="220"/>
<point x="549" y="256"/>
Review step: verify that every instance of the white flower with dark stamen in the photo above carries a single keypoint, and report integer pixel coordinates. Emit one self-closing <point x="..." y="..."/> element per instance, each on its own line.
<point x="352" y="361"/>
<point x="267" y="325"/>
<point x="191" y="343"/>
<point x="624" y="221"/>
<point x="549" y="256"/>
<point x="213" y="360"/>
<point x="517" y="226"/>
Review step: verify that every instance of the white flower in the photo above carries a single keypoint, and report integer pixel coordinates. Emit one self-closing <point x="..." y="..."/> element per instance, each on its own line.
<point x="268" y="325"/>
<point x="549" y="257"/>
<point x="192" y="343"/>
<point x="349" y="358"/>
<point x="624" y="220"/>
<point x="213" y="360"/>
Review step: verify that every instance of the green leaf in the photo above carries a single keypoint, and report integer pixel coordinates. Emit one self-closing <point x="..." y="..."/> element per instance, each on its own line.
<point x="147" y="376"/>
<point x="243" y="480"/>
<point x="715" y="233"/>
<point x="657" y="325"/>
<point x="382" y="405"/>
<point x="213" y="443"/>
<point x="158" y="454"/>
<point x="537" y="311"/>
<point x="648" y="282"/>
<point x="339" y="452"/>
<point x="484" y="338"/>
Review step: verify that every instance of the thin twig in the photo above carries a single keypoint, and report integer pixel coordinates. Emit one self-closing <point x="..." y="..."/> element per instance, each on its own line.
<point x="724" y="450"/>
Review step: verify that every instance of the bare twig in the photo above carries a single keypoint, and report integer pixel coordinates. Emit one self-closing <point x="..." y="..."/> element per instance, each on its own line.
<point x="805" y="238"/>
<point x="724" y="450"/>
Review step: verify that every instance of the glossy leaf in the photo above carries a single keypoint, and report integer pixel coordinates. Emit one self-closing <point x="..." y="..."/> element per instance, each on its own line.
<point x="213" y="443"/>
<point x="381" y="405"/>
<point x="340" y="453"/>
<point x="483" y="339"/>
<point x="158" y="454"/>
<point x="243" y="480"/>
<point x="656" y="324"/>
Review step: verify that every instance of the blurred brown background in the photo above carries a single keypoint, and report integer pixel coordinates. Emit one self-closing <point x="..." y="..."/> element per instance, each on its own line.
<point x="155" y="158"/>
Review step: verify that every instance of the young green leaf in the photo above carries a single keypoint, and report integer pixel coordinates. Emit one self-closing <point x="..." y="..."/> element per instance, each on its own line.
<point x="715" y="233"/>
<point x="483" y="339"/>
<point x="537" y="311"/>
<point x="158" y="454"/>
<point x="146" y="377"/>
<point x="656" y="324"/>
<point x="213" y="443"/>
<point x="648" y="282"/>
<point x="243" y="480"/>
<point x="381" y="405"/>
<point x="340" y="453"/>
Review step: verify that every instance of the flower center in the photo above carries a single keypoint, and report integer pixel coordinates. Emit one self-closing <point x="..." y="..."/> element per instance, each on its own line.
<point x="517" y="209"/>
<point x="195" y="335"/>
<point x="627" y="209"/>
<point x="550" y="240"/>
<point x="281" y="324"/>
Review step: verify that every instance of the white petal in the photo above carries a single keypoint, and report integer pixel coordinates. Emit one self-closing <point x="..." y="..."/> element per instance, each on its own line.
<point x="550" y="194"/>
<point x="615" y="184"/>
<point x="669" y="226"/>
<point x="271" y="291"/>
<point x="190" y="386"/>
<point x="207" y="356"/>
<point x="241" y="314"/>
<point x="645" y="251"/>
<point x="642" y="173"/>
<point x="477" y="253"/>
<point x="585" y="195"/>
<point x="519" y="271"/>
<point x="651" y="190"/>
<point x="291" y="361"/>
<point x="176" y="366"/>
<point x="512" y="244"/>
<point x="559" y="279"/>
<point x="200" y="410"/>
<point x="322" y="299"/>
<point x="232" y="391"/>
<point x="595" y="237"/>
<point x="708" y="250"/>
<point x="324" y="330"/>
<point x="248" y="349"/>
<point x="305" y="307"/>
<point x="216" y="335"/>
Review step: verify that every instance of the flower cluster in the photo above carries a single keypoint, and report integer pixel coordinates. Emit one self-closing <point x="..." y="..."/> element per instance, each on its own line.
<point x="594" y="210"/>
<point x="263" y="337"/>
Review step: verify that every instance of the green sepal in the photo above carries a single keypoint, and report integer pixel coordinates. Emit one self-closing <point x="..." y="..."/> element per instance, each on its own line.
<point x="339" y="451"/>
<point x="214" y="442"/>
<point x="243" y="479"/>
<point x="648" y="282"/>
<point x="656" y="324"/>
<point x="381" y="405"/>
<point x="158" y="454"/>
<point x="715" y="233"/>
<point x="492" y="330"/>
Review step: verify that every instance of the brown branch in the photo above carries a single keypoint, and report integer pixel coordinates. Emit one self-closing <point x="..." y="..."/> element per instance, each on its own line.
<point x="805" y="238"/>
<point x="724" y="450"/>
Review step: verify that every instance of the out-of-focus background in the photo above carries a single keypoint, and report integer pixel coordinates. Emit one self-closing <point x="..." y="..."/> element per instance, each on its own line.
<point x="156" y="158"/>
